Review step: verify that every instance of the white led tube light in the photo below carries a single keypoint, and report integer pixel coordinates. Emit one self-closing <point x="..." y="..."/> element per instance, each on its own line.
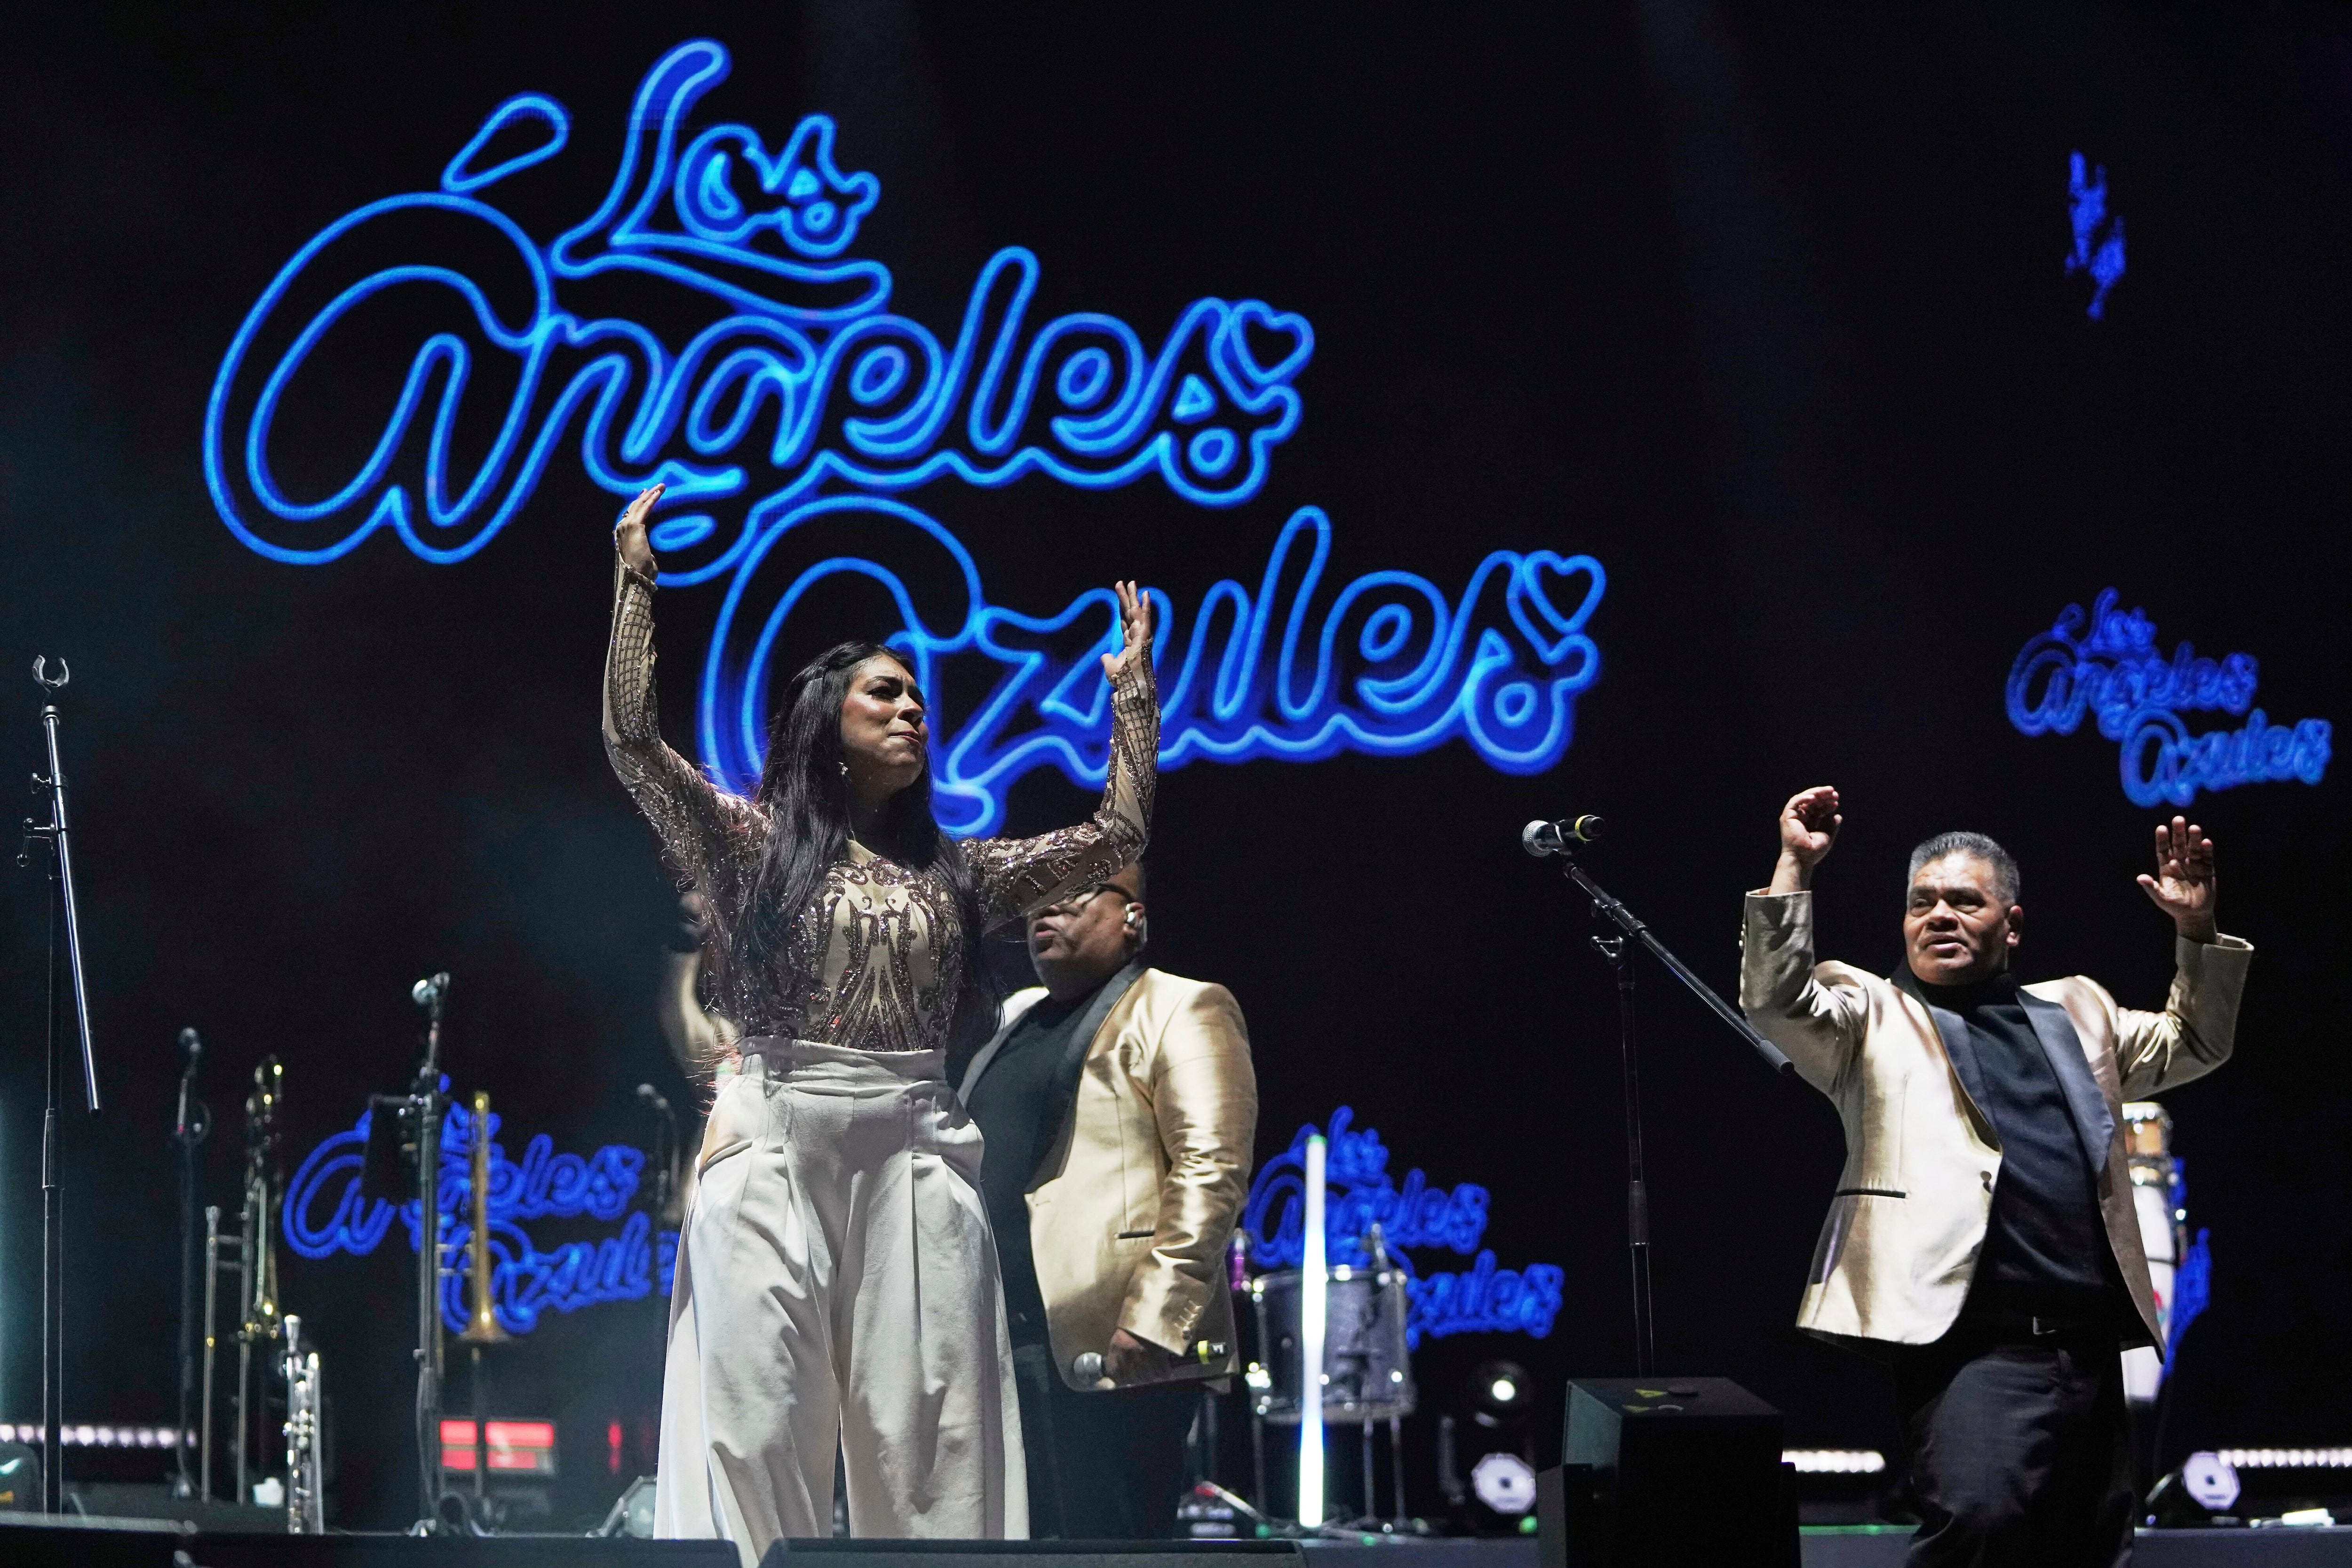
<point x="1312" y="1285"/>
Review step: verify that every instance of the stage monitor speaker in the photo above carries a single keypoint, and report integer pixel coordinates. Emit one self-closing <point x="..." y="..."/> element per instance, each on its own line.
<point x="1668" y="1469"/>
<point x="1011" y="1553"/>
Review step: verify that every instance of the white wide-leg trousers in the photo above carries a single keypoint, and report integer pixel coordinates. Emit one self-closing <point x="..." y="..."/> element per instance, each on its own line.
<point x="837" y="1278"/>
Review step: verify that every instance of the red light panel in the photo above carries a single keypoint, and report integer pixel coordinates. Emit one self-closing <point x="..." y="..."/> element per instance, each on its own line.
<point x="517" y="1448"/>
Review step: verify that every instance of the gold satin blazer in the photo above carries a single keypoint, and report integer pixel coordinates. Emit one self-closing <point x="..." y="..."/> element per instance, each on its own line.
<point x="1132" y="1209"/>
<point x="1907" y="1222"/>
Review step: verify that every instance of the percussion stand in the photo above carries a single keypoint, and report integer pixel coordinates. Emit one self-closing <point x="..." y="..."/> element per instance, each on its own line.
<point x="53" y="1256"/>
<point x="1637" y="1197"/>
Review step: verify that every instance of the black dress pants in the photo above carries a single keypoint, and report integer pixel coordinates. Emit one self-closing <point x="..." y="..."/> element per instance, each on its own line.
<point x="1102" y="1467"/>
<point x="2019" y="1445"/>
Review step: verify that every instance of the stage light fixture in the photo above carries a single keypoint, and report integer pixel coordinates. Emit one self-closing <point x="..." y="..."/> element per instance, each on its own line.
<point x="1486" y="1464"/>
<point x="1497" y="1394"/>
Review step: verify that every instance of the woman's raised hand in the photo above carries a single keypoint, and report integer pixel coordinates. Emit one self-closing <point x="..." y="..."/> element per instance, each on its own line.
<point x="1135" y="620"/>
<point x="636" y="551"/>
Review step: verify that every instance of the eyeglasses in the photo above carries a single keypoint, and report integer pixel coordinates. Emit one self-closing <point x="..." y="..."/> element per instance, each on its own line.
<point x="1072" y="902"/>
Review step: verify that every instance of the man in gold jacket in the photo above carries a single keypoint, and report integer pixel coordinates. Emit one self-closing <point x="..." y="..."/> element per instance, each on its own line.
<point x="1983" y="1235"/>
<point x="1119" y="1111"/>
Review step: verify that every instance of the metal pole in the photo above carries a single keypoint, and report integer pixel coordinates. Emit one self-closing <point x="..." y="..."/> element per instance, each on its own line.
<point x="244" y="1416"/>
<point x="1396" y="1465"/>
<point x="1637" y="1194"/>
<point x="244" y="1248"/>
<point x="64" y="843"/>
<point x="481" y="1438"/>
<point x="1371" y="1492"/>
<point x="212" y="1295"/>
<point x="53" y="1258"/>
<point x="428" y="1292"/>
<point x="188" y="1135"/>
<point x="1208" y="1435"/>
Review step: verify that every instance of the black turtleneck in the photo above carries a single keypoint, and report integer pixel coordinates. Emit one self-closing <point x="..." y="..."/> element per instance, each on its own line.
<point x="2046" y="1245"/>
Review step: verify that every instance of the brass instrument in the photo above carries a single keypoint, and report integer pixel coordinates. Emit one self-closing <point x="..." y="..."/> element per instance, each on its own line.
<point x="482" y="1328"/>
<point x="251" y="1254"/>
<point x="306" y="1500"/>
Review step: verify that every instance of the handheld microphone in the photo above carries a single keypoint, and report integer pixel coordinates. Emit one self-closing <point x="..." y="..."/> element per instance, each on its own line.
<point x="1088" y="1366"/>
<point x="1542" y="839"/>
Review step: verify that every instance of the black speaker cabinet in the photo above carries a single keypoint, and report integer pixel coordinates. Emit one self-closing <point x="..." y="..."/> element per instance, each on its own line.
<point x="1669" y="1470"/>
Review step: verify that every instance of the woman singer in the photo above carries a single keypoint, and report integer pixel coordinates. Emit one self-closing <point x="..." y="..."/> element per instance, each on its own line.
<point x="836" y="1276"/>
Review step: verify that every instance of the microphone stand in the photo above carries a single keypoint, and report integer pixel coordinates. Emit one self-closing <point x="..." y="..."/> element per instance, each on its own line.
<point x="191" y="1128"/>
<point x="428" y="1105"/>
<point x="666" y="1182"/>
<point x="1637" y="1197"/>
<point x="53" y="1258"/>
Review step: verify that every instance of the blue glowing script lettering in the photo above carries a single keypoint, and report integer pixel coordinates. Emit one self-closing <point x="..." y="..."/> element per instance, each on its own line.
<point x="325" y="1213"/>
<point x="2098" y="248"/>
<point x="1359" y="1194"/>
<point x="790" y="422"/>
<point x="2106" y="663"/>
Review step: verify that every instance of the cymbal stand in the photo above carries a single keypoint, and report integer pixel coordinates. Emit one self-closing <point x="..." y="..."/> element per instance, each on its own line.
<point x="53" y="1258"/>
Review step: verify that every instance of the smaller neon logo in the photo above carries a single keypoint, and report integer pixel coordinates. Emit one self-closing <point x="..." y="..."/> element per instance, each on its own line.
<point x="326" y="1213"/>
<point x="2106" y="663"/>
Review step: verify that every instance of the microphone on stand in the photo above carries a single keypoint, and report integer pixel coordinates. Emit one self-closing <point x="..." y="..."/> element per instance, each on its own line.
<point x="431" y="991"/>
<point x="1088" y="1366"/>
<point x="1542" y="839"/>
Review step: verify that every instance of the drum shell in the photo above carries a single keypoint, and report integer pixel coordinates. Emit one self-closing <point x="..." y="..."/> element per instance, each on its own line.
<point x="1367" y="1369"/>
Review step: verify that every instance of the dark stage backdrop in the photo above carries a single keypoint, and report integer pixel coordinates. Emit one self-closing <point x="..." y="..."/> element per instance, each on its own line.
<point x="1765" y="309"/>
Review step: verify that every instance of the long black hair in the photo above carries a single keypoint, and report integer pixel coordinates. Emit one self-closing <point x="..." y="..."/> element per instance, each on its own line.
<point x="804" y="790"/>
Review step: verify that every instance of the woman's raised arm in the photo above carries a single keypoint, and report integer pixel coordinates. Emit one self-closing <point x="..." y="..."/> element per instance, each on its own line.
<point x="706" y="833"/>
<point x="1017" y="876"/>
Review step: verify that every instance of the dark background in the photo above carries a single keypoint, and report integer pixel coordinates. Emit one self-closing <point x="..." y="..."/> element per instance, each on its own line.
<point x="1762" y="305"/>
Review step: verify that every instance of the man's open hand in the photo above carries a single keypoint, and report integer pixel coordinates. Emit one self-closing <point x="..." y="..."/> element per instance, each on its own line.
<point x="2183" y="884"/>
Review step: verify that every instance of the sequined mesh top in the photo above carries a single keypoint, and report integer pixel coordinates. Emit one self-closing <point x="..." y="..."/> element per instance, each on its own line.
<point x="877" y="960"/>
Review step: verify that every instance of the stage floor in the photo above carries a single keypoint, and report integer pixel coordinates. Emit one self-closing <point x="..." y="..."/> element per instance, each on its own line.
<point x="1880" y="1546"/>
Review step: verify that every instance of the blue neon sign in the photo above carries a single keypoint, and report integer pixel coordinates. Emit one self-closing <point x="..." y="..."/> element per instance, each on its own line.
<point x="2098" y="249"/>
<point x="791" y="423"/>
<point x="2106" y="663"/>
<point x="325" y="1213"/>
<point x="1360" y="1193"/>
